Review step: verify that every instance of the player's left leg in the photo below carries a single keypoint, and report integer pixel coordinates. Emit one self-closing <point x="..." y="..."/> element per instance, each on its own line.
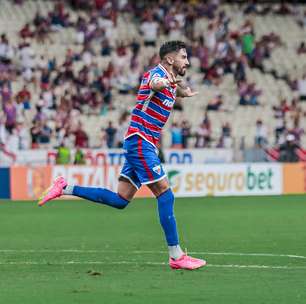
<point x="119" y="199"/>
<point x="127" y="187"/>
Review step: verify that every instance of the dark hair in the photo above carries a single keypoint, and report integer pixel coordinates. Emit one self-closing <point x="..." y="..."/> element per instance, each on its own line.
<point x="171" y="46"/>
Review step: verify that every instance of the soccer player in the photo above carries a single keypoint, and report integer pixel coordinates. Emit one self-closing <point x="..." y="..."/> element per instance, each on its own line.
<point x="156" y="96"/>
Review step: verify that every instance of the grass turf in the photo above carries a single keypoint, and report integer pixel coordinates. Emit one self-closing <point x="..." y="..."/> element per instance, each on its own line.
<point x="79" y="252"/>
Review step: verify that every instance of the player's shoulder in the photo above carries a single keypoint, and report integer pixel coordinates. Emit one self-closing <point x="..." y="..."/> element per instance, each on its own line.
<point x="157" y="71"/>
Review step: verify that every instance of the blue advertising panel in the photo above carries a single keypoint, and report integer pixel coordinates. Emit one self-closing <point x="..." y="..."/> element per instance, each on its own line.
<point x="5" y="183"/>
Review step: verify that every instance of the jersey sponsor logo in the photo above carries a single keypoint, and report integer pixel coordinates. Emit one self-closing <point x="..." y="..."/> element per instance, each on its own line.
<point x="157" y="169"/>
<point x="172" y="90"/>
<point x="168" y="103"/>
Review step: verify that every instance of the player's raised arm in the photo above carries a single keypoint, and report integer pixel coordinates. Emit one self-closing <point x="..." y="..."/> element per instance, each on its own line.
<point x="184" y="91"/>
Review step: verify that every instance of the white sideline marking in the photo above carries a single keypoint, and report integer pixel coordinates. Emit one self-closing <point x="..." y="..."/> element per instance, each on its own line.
<point x="149" y="263"/>
<point x="148" y="252"/>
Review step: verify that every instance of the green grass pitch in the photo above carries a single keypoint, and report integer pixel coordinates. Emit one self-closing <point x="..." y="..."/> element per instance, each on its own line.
<point x="80" y="252"/>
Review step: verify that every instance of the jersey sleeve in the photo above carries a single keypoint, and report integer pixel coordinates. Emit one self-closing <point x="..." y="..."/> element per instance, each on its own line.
<point x="154" y="75"/>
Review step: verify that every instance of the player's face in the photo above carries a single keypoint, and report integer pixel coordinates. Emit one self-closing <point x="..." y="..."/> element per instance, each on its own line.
<point x="181" y="62"/>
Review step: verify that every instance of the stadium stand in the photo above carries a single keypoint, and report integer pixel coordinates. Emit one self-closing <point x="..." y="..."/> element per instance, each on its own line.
<point x="68" y="68"/>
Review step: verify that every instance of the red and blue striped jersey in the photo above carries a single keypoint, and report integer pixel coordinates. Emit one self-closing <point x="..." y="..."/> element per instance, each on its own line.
<point x="153" y="108"/>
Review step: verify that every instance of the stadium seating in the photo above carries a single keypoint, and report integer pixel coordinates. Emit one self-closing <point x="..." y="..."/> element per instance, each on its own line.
<point x="284" y="60"/>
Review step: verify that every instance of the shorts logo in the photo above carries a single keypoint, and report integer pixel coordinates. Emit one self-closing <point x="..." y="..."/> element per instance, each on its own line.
<point x="157" y="169"/>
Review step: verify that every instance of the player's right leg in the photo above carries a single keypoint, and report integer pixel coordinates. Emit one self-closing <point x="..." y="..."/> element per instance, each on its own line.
<point x="127" y="187"/>
<point x="149" y="170"/>
<point x="165" y="198"/>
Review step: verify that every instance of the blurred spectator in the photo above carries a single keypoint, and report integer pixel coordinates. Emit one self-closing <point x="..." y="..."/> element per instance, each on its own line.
<point x="79" y="157"/>
<point x="302" y="87"/>
<point x="186" y="133"/>
<point x="297" y="131"/>
<point x="203" y="134"/>
<point x="149" y="30"/>
<point x="176" y="136"/>
<point x="26" y="32"/>
<point x="213" y="75"/>
<point x="106" y="48"/>
<point x="35" y="130"/>
<point x="12" y="142"/>
<point x="215" y="104"/>
<point x="123" y="126"/>
<point x="248" y="39"/>
<point x="225" y="140"/>
<point x="40" y="133"/>
<point x="5" y="90"/>
<point x="103" y="139"/>
<point x="6" y="140"/>
<point x="248" y="93"/>
<point x="110" y="135"/>
<point x="211" y="39"/>
<point x="27" y="56"/>
<point x="301" y="49"/>
<point x="239" y="72"/>
<point x="81" y="138"/>
<point x="10" y="111"/>
<point x="25" y="97"/>
<point x="44" y="133"/>
<point x="288" y="150"/>
<point x="23" y="136"/>
<point x="280" y="122"/>
<point x="6" y="50"/>
<point x="3" y="130"/>
<point x="282" y="109"/>
<point x="63" y="155"/>
<point x="261" y="134"/>
<point x="301" y="19"/>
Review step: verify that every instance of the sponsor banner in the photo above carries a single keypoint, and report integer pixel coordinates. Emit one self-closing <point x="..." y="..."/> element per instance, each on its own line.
<point x="294" y="180"/>
<point x="5" y="183"/>
<point x="186" y="180"/>
<point x="48" y="157"/>
<point x="223" y="180"/>
<point x="28" y="183"/>
<point x="198" y="156"/>
<point x="116" y="157"/>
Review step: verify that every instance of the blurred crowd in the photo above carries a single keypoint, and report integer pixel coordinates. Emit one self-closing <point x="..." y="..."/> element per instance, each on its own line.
<point x="64" y="93"/>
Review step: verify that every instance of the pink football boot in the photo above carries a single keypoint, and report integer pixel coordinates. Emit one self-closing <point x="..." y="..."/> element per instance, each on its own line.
<point x="186" y="262"/>
<point x="56" y="190"/>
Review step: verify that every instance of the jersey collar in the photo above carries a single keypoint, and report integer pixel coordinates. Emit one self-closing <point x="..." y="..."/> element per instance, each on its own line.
<point x="164" y="69"/>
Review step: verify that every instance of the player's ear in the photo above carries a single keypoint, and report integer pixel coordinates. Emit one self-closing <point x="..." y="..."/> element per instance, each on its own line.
<point x="169" y="59"/>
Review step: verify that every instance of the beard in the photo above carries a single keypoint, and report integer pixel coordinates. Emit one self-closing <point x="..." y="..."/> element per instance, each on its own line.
<point x="180" y="71"/>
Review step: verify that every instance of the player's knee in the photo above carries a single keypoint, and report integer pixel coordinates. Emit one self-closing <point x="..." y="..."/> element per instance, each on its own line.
<point x="159" y="188"/>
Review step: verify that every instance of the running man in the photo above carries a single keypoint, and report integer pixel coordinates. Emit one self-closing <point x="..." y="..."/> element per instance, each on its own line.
<point x="156" y="96"/>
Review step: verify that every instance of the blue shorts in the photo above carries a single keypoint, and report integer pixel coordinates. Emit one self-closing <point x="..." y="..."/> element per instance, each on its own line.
<point x="142" y="165"/>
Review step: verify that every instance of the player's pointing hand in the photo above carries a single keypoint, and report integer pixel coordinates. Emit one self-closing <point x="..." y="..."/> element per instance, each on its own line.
<point x="189" y="93"/>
